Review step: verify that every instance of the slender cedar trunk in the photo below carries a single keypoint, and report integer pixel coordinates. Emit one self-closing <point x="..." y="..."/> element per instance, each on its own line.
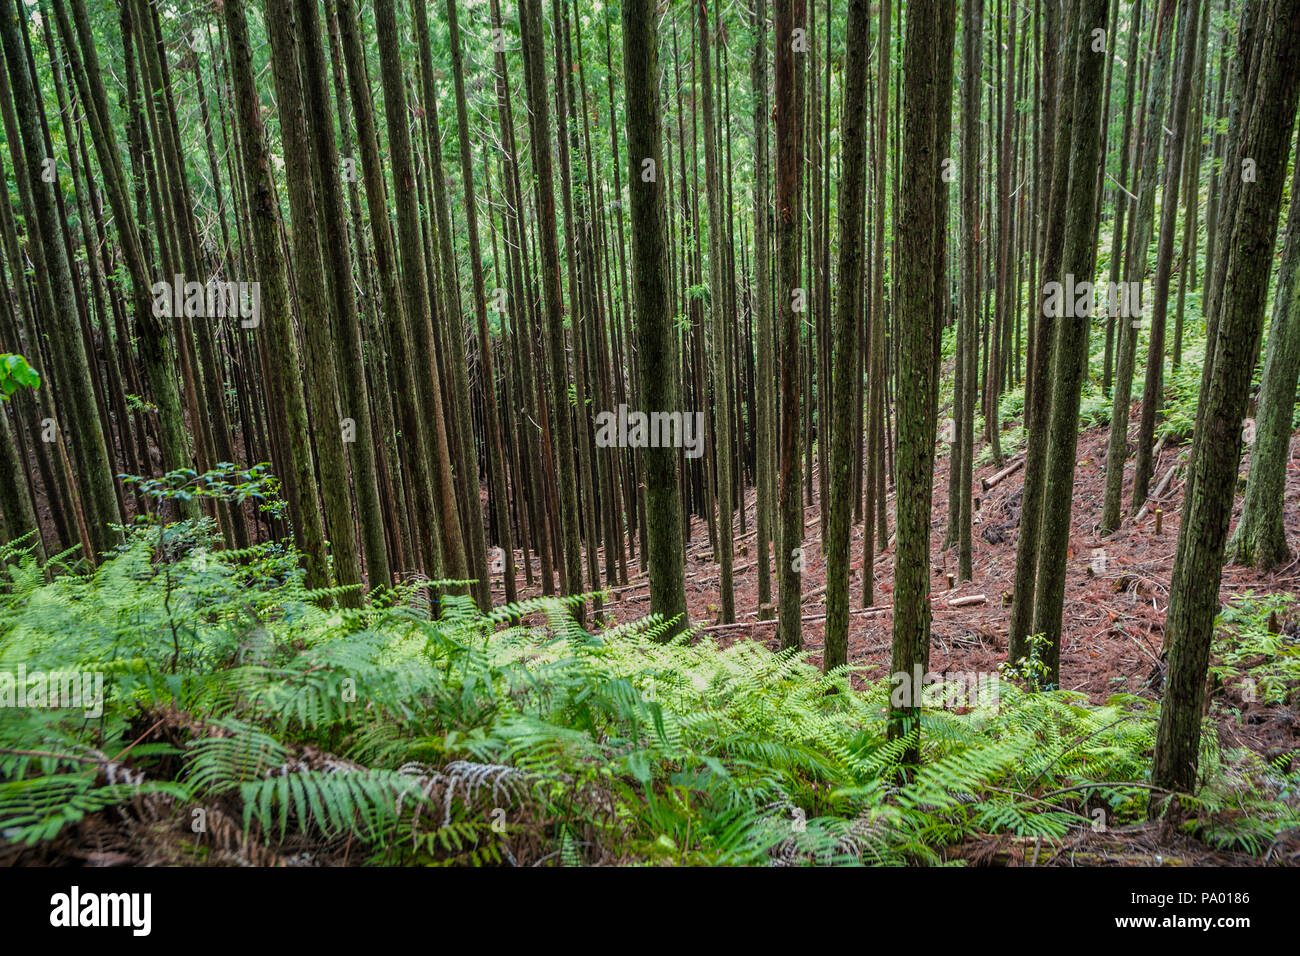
<point x="922" y="52"/>
<point x="1252" y="42"/>
<point x="722" y="320"/>
<point x="984" y="328"/>
<point x="1191" y="191"/>
<point x="968" y="322"/>
<point x="576" y="260"/>
<point x="73" y="372"/>
<point x="789" y="15"/>
<point x="845" y="334"/>
<point x="630" y="467"/>
<point x="1085" y="75"/>
<point x="817" y="408"/>
<point x="496" y="451"/>
<point x="1152" y="393"/>
<point x="1216" y="152"/>
<point x="651" y="301"/>
<point x="1251" y="37"/>
<point x="16" y="503"/>
<point x="545" y="404"/>
<point x="171" y="217"/>
<point x="313" y="297"/>
<point x="1056" y="132"/>
<point x="17" y="499"/>
<point x="66" y="238"/>
<point x="346" y="326"/>
<point x="764" y="429"/>
<point x="1103" y="169"/>
<point x="211" y="422"/>
<point x="1260" y="537"/>
<point x="1006" y="229"/>
<point x="456" y="392"/>
<point x="277" y="318"/>
<point x="811" y="306"/>
<point x="384" y="460"/>
<point x="1044" y="113"/>
<point x="941" y="300"/>
<point x="1194" y="590"/>
<point x="875" y="358"/>
<point x="29" y="410"/>
<point x="1117" y="442"/>
<point x="539" y="126"/>
<point x="862" y="365"/>
<point x="120" y="420"/>
<point x="598" y="346"/>
<point x="234" y="518"/>
<point x="153" y="341"/>
<point x="41" y="412"/>
<point x="522" y="311"/>
<point x="415" y="441"/>
<point x="414" y="286"/>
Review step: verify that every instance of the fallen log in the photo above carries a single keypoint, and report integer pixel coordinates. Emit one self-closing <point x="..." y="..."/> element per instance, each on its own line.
<point x="646" y="582"/>
<point x="994" y="480"/>
<point x="1156" y="492"/>
<point x="808" y="619"/>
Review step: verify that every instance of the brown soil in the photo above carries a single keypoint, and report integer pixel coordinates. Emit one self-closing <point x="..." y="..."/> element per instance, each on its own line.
<point x="1114" y="612"/>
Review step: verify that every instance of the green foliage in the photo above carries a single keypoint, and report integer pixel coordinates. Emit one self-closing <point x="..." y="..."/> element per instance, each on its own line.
<point x="1182" y="391"/>
<point x="1253" y="651"/>
<point x="15" y="373"/>
<point x="1031" y="670"/>
<point x="229" y="688"/>
<point x="225" y="482"/>
<point x="137" y="404"/>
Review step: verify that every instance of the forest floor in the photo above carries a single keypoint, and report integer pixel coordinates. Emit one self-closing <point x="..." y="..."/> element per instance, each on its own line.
<point x="1117" y="591"/>
<point x="1113" y="631"/>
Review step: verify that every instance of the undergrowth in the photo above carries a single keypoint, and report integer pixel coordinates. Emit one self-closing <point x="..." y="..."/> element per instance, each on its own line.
<point x="245" y="719"/>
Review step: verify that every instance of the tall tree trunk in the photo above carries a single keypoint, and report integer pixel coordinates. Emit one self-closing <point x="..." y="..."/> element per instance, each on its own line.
<point x="875" y="357"/>
<point x="414" y="286"/>
<point x="1070" y="349"/>
<point x="971" y="245"/>
<point x="277" y="317"/>
<point x="1194" y="590"/>
<point x="73" y="373"/>
<point x="415" y="440"/>
<point x="1153" y="392"/>
<point x="1117" y="442"/>
<point x="496" y="451"/>
<point x="922" y="53"/>
<point x="539" y="127"/>
<point x="788" y="15"/>
<point x="722" y="318"/>
<point x="154" y="342"/>
<point x="346" y="326"/>
<point x="457" y="399"/>
<point x="1260" y="537"/>
<point x="1055" y="172"/>
<point x="656" y="358"/>
<point x="845" y="335"/>
<point x="762" y="297"/>
<point x="313" y="298"/>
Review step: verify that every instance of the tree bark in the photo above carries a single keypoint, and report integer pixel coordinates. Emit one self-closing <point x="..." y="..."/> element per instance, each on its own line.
<point x="1194" y="590"/>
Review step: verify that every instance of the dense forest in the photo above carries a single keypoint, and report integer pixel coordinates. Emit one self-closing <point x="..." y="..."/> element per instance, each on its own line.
<point x="670" y="432"/>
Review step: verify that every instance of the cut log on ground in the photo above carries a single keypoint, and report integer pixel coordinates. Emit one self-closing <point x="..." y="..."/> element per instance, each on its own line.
<point x="996" y="479"/>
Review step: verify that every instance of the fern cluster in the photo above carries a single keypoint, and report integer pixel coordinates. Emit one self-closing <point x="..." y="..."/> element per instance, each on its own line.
<point x="293" y="730"/>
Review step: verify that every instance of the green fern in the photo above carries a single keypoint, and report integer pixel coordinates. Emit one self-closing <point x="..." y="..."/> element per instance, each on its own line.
<point x="516" y="737"/>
